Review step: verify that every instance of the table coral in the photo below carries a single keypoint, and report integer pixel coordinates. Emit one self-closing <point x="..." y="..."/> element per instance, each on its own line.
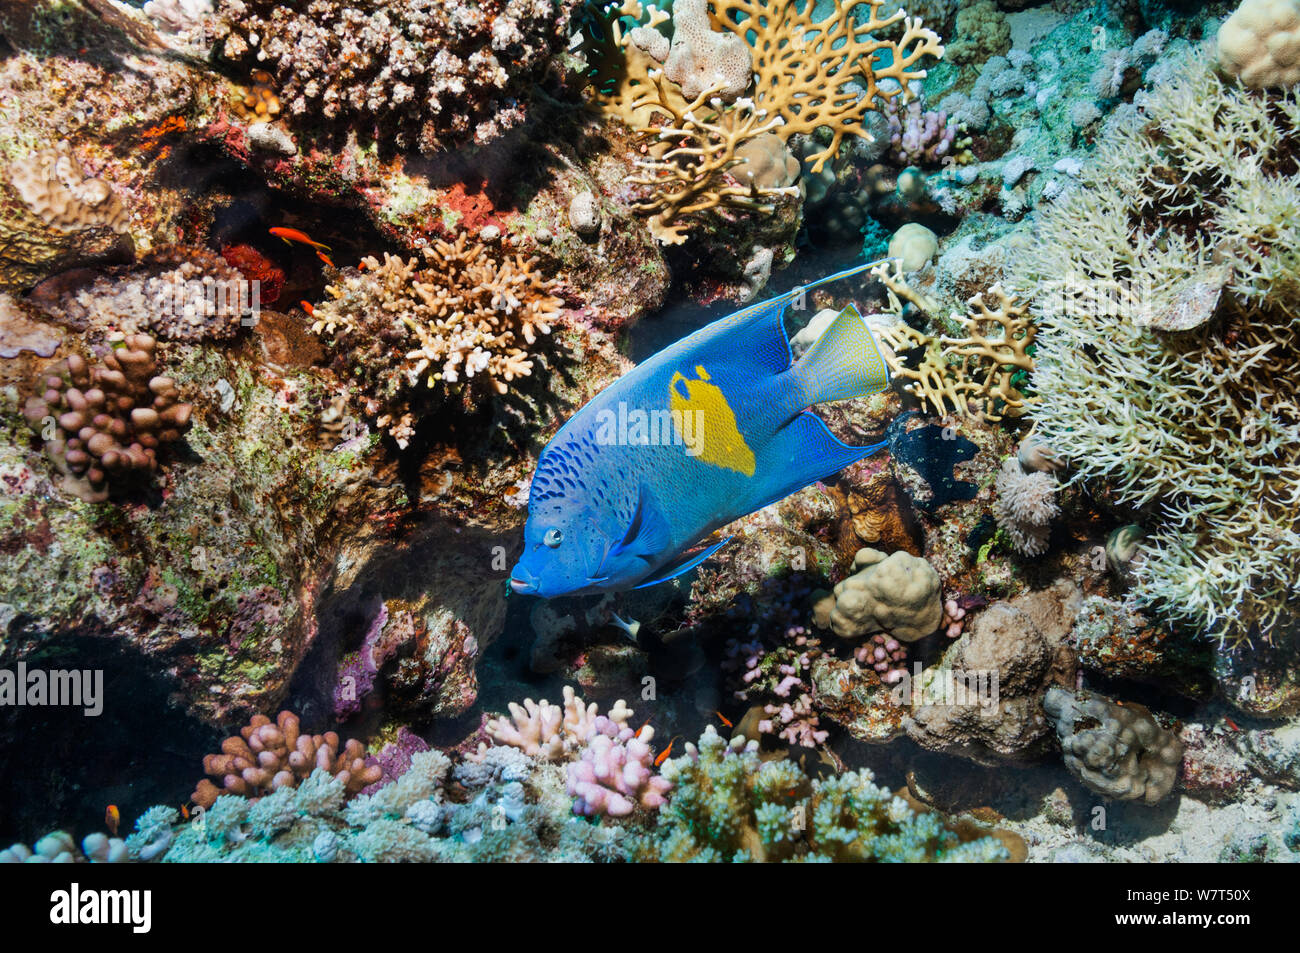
<point x="424" y="74"/>
<point x="107" y="420"/>
<point x="463" y="320"/>
<point x="266" y="756"/>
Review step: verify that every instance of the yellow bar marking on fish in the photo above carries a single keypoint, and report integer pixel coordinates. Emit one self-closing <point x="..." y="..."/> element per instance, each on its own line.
<point x="722" y="444"/>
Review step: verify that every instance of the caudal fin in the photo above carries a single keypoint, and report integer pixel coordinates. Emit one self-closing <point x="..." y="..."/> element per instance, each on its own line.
<point x="845" y="362"/>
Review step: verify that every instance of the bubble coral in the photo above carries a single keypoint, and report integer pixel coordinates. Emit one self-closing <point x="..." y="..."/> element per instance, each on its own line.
<point x="266" y="756"/>
<point x="107" y="420"/>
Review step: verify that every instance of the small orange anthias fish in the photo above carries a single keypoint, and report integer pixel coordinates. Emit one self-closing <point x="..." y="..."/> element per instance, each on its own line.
<point x="325" y="258"/>
<point x="112" y="819"/>
<point x="290" y="235"/>
<point x="663" y="755"/>
<point x="723" y="719"/>
<point x="306" y="306"/>
<point x="185" y="812"/>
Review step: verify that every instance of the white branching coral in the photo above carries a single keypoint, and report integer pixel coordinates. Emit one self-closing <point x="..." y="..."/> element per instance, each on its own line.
<point x="462" y="320"/>
<point x="1166" y="292"/>
<point x="549" y="732"/>
<point x="1025" y="507"/>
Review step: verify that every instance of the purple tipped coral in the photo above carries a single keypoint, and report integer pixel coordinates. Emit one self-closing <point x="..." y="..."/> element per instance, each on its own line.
<point x="918" y="136"/>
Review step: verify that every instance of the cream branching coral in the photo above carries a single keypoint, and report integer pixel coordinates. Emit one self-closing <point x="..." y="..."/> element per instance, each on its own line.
<point x="690" y="101"/>
<point x="462" y="320"/>
<point x="973" y="374"/>
<point x="546" y="731"/>
<point x="1200" y="426"/>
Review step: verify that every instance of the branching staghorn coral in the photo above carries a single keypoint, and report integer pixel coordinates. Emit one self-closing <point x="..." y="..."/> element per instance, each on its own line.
<point x="807" y="73"/>
<point x="108" y="419"/>
<point x="1173" y="274"/>
<point x="463" y="321"/>
<point x="727" y="804"/>
<point x="975" y="374"/>
<point x="266" y="756"/>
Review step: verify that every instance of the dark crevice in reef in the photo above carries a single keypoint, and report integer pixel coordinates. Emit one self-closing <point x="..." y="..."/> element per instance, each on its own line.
<point x="61" y="768"/>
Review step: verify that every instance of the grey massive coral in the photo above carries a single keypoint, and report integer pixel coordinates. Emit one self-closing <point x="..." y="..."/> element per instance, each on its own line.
<point x="426" y="74"/>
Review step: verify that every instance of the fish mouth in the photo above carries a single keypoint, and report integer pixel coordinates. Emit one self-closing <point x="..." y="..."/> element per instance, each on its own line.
<point x="522" y="586"/>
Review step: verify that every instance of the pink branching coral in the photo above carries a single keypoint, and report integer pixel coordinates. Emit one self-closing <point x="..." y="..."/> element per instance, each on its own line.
<point x="107" y="419"/>
<point x="266" y="756"/>
<point x="783" y="672"/>
<point x="886" y="656"/>
<point x="918" y="136"/>
<point x="615" y="773"/>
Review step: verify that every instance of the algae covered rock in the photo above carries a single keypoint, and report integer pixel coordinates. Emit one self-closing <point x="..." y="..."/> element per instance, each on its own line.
<point x="898" y="594"/>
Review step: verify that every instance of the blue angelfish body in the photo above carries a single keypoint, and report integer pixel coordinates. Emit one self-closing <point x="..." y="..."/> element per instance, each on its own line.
<point x="708" y="430"/>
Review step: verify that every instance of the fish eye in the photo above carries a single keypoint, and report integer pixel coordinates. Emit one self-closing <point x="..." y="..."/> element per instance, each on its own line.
<point x="553" y="538"/>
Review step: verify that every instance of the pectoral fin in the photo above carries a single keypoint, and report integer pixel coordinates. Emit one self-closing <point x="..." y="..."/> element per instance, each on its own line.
<point x="684" y="563"/>
<point x="648" y="535"/>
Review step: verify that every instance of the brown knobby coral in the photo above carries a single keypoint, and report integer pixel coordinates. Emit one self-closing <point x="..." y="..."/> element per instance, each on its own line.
<point x="688" y="98"/>
<point x="464" y="320"/>
<point x="108" y="419"/>
<point x="974" y="374"/>
<point x="266" y="756"/>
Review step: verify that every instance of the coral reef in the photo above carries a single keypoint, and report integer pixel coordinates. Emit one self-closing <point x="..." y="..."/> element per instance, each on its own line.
<point x="104" y="421"/>
<point x="464" y="320"/>
<point x="269" y="755"/>
<point x="730" y="805"/>
<point x="1172" y="265"/>
<point x="897" y="593"/>
<point x="1116" y="749"/>
<point x="54" y="187"/>
<point x="614" y="774"/>
<point x="421" y="75"/>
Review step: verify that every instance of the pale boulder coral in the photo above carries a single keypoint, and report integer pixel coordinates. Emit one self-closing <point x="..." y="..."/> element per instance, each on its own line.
<point x="1260" y="43"/>
<point x="899" y="594"/>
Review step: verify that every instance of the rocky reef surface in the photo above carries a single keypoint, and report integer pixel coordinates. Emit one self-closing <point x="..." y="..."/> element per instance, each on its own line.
<point x="290" y="304"/>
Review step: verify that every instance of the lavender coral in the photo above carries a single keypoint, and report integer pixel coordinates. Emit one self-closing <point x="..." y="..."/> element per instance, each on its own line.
<point x="615" y="773"/>
<point x="107" y="420"/>
<point x="421" y="75"/>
